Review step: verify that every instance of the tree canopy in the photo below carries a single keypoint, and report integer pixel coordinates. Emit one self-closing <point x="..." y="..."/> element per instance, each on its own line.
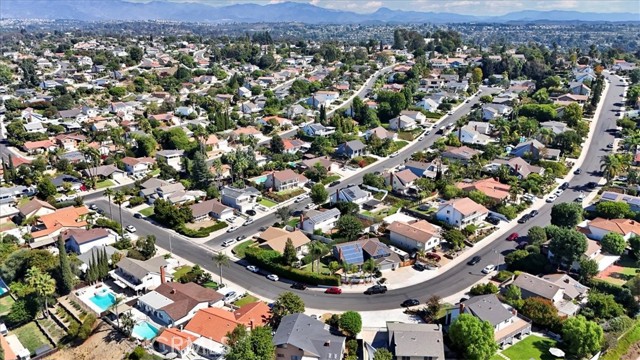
<point x="473" y="337"/>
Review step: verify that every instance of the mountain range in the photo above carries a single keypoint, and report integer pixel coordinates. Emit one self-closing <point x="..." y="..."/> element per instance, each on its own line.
<point x="113" y="10"/>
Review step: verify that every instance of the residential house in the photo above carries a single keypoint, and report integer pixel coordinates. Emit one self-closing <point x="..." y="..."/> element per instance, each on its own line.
<point x="355" y="253"/>
<point x="301" y="337"/>
<point x="51" y="225"/>
<point x="65" y="183"/>
<point x="292" y="146"/>
<point x="250" y="108"/>
<point x="633" y="201"/>
<point x="462" y="212"/>
<point x="172" y="304"/>
<point x="212" y="208"/>
<point x="507" y="324"/>
<point x="417" y="116"/>
<point x="470" y="134"/>
<point x="35" y="208"/>
<point x="554" y="291"/>
<point x="427" y="170"/>
<point x="490" y="187"/>
<point x="70" y="142"/>
<point x="240" y="199"/>
<point x="172" y="157"/>
<point x="80" y="240"/>
<point x="274" y="238"/>
<point x="322" y="98"/>
<point x="353" y="194"/>
<point x="324" y="220"/>
<point x="92" y="254"/>
<point x="105" y="172"/>
<point x="324" y="161"/>
<point x="298" y="111"/>
<point x="569" y="98"/>
<point x="597" y="228"/>
<point x="34" y="127"/>
<point x="352" y="149"/>
<point x="493" y="111"/>
<point x="214" y="144"/>
<point x="315" y="129"/>
<point x="402" y="182"/>
<point x="415" y="341"/>
<point x="276" y="121"/>
<point x="534" y="149"/>
<point x="138" y="166"/>
<point x="12" y="194"/>
<point x="579" y="88"/>
<point x="429" y="104"/>
<point x="284" y="180"/>
<point x="38" y="147"/>
<point x="556" y="126"/>
<point x="417" y="235"/>
<point x="243" y="92"/>
<point x="463" y="154"/>
<point x="402" y="122"/>
<point x="139" y="275"/>
<point x="381" y="133"/>
<point x="172" y="340"/>
<point x="517" y="166"/>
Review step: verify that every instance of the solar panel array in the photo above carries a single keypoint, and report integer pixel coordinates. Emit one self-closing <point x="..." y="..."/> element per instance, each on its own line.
<point x="352" y="254"/>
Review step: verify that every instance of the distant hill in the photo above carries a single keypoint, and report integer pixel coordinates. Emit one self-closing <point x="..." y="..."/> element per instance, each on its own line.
<point x="91" y="10"/>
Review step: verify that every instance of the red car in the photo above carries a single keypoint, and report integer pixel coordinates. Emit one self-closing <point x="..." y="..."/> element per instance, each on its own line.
<point x="513" y="237"/>
<point x="433" y="256"/>
<point x="333" y="290"/>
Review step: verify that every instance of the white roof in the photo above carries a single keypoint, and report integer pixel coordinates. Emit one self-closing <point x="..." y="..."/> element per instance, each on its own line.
<point x="398" y="217"/>
<point x="156" y="300"/>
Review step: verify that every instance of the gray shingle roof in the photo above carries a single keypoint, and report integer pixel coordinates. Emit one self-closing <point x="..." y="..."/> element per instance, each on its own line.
<point x="140" y="269"/>
<point x="488" y="308"/>
<point x="416" y="340"/>
<point x="536" y="286"/>
<point x="321" y="216"/>
<point x="310" y="335"/>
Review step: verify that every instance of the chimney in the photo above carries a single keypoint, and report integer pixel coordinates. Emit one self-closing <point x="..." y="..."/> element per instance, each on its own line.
<point x="327" y="343"/>
<point x="301" y="219"/>
<point x="514" y="312"/>
<point x="461" y="308"/>
<point x="163" y="278"/>
<point x="251" y="326"/>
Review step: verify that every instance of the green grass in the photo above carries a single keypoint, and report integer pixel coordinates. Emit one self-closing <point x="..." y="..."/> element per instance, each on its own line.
<point x="30" y="336"/>
<point x="268" y="203"/>
<point x="5" y="304"/>
<point x="330" y="179"/>
<point x="293" y="222"/>
<point x="239" y="249"/>
<point x="626" y="341"/>
<point x="181" y="271"/>
<point x="211" y="285"/>
<point x="247" y="299"/>
<point x="147" y="211"/>
<point x="400" y="144"/>
<point x="155" y="172"/>
<point x="531" y="347"/>
<point x="104" y="183"/>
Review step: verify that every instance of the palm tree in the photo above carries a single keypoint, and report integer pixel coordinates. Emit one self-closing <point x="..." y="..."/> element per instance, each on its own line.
<point x="43" y="284"/>
<point x="612" y="166"/>
<point x="221" y="259"/>
<point x="217" y="167"/>
<point x="94" y="155"/>
<point x="108" y="193"/>
<point x="545" y="136"/>
<point x="632" y="142"/>
<point x="117" y="302"/>
<point x="459" y="124"/>
<point x="127" y="323"/>
<point x="347" y="268"/>
<point x="369" y="267"/>
<point x="119" y="199"/>
<point x="316" y="250"/>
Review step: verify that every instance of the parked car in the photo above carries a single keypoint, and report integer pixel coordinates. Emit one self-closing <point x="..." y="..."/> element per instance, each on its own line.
<point x="419" y="267"/>
<point x="248" y="222"/>
<point x="299" y="286"/>
<point x="298" y="199"/>
<point x="564" y="186"/>
<point x="251" y="212"/>
<point x="393" y="154"/>
<point x="492" y="220"/>
<point x="489" y="269"/>
<point x="533" y="213"/>
<point x="410" y="302"/>
<point x="253" y="268"/>
<point x="524" y="219"/>
<point x="578" y="171"/>
<point x="433" y="256"/>
<point x="592" y="185"/>
<point x="580" y="197"/>
<point x="552" y="198"/>
<point x="335" y="183"/>
<point x="137" y="216"/>
<point x="232" y="229"/>
<point x="241" y="237"/>
<point x="273" y="277"/>
<point x="230" y="297"/>
<point x="522" y="245"/>
<point x="474" y="260"/>
<point x="513" y="237"/>
<point x="229" y="242"/>
<point x="131" y="228"/>
<point x="93" y="207"/>
<point x="333" y="290"/>
<point x="610" y="146"/>
<point x="376" y="289"/>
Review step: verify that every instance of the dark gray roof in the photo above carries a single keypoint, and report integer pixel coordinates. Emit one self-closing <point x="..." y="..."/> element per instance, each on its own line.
<point x="320" y="216"/>
<point x="488" y="308"/>
<point x="86" y="257"/>
<point x="536" y="286"/>
<point x="140" y="269"/>
<point x="355" y="145"/>
<point x="154" y="183"/>
<point x="416" y="340"/>
<point x="104" y="170"/>
<point x="354" y="192"/>
<point x="310" y="335"/>
<point x="235" y="193"/>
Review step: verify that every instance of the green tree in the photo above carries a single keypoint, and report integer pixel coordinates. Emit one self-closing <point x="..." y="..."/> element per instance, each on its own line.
<point x="254" y="345"/>
<point x="602" y="306"/>
<point x="566" y="214"/>
<point x="513" y="294"/>
<point x="613" y="209"/>
<point x="66" y="275"/>
<point x="541" y="311"/>
<point x="476" y="75"/>
<point x="200" y="171"/>
<point x="572" y="114"/>
<point x="473" y="337"/>
<point x="567" y="246"/>
<point x="283" y="213"/>
<point x="287" y="303"/>
<point x="5" y="74"/>
<point x="136" y="53"/>
<point x="613" y="243"/>
<point x="588" y="269"/>
<point x="349" y="227"/>
<point x="537" y="235"/>
<point x="454" y="237"/>
<point x="319" y="194"/>
<point x="351" y="323"/>
<point x="582" y="337"/>
<point x="108" y="192"/>
<point x="382" y="354"/>
<point x="289" y="253"/>
<point x="276" y="145"/>
<point x="119" y="198"/>
<point x="43" y="285"/>
<point x="147" y="246"/>
<point x="46" y="188"/>
<point x="221" y="260"/>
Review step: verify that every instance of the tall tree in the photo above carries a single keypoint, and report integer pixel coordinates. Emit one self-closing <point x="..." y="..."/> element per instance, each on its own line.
<point x="319" y="194"/>
<point x="119" y="198"/>
<point x="283" y="213"/>
<point x="289" y="253"/>
<point x="276" y="145"/>
<point x="316" y="250"/>
<point x="108" y="192"/>
<point x="221" y="260"/>
<point x="200" y="171"/>
<point x="351" y="323"/>
<point x="613" y="243"/>
<point x="567" y="246"/>
<point x="66" y="275"/>
<point x="567" y="215"/>
<point x="287" y="303"/>
<point x="473" y="337"/>
<point x="43" y="285"/>
<point x="115" y="307"/>
<point x="349" y="226"/>
<point x="582" y="337"/>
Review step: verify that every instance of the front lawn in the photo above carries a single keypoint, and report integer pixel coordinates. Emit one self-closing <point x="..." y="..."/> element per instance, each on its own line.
<point x="239" y="249"/>
<point x="294" y="222"/>
<point x="5" y="304"/>
<point x="531" y="347"/>
<point x="181" y="271"/>
<point x="147" y="211"/>
<point x="363" y="161"/>
<point x="330" y="179"/>
<point x="211" y="285"/>
<point x="268" y="203"/>
<point x="400" y="144"/>
<point x="31" y="337"/>
<point x="247" y="299"/>
<point x="104" y="183"/>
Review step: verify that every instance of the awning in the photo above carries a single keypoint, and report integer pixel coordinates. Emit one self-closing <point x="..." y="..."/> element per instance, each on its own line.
<point x="120" y="283"/>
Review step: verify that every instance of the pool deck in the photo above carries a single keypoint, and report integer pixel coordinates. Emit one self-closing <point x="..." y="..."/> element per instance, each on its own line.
<point x="84" y="295"/>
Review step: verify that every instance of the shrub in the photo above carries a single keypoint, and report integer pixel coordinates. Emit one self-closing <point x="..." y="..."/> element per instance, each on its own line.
<point x="87" y="327"/>
<point x="484" y="289"/>
<point x="271" y="260"/>
<point x="503" y="275"/>
<point x="137" y="354"/>
<point x="135" y="201"/>
<point x="202" y="232"/>
<point x="107" y="223"/>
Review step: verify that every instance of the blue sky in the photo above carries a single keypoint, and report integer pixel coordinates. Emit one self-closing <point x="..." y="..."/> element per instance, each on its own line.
<point x="472" y="7"/>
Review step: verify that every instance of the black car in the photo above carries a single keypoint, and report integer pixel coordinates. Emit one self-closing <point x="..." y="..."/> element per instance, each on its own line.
<point x="251" y="212"/>
<point x="564" y="186"/>
<point x="137" y="216"/>
<point x="299" y="286"/>
<point x="376" y="289"/>
<point x="578" y="171"/>
<point x="524" y="219"/>
<point x="522" y="245"/>
<point x="241" y="237"/>
<point x="474" y="260"/>
<point x="419" y="267"/>
<point x="492" y="220"/>
<point x="533" y="213"/>
<point x="410" y="302"/>
<point x="335" y="183"/>
<point x="592" y="185"/>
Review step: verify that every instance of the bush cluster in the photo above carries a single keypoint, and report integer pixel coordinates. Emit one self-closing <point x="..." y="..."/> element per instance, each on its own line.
<point x="271" y="260"/>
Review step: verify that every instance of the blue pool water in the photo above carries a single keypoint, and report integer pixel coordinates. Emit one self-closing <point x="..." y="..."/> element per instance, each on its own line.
<point x="103" y="299"/>
<point x="144" y="330"/>
<point x="260" y="180"/>
<point x="3" y="287"/>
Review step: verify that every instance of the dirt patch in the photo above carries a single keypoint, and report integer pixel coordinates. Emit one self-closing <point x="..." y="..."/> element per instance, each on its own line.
<point x="104" y="344"/>
<point x="201" y="224"/>
<point x="633" y="353"/>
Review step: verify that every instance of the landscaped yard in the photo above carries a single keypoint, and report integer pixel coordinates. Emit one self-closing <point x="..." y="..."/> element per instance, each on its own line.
<point x="247" y="299"/>
<point x="181" y="271"/>
<point x="147" y="211"/>
<point x="5" y="304"/>
<point x="268" y="203"/>
<point x="293" y="222"/>
<point x="531" y="347"/>
<point x="30" y="336"/>
<point x="329" y="179"/>
<point x="211" y="285"/>
<point x="400" y="144"/>
<point x="620" y="273"/>
<point x="239" y="249"/>
<point x="104" y="183"/>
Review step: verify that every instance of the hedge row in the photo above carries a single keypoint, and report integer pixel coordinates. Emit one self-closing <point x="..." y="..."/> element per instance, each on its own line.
<point x="202" y="232"/>
<point x="270" y="260"/>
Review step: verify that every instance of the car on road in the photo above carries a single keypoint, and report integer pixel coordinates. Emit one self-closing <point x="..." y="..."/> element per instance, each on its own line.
<point x="251" y="212"/>
<point x="376" y="289"/>
<point x="241" y="237"/>
<point x="230" y="297"/>
<point x="253" y="268"/>
<point x="335" y="183"/>
<point x="489" y="269"/>
<point x="232" y="229"/>
<point x="474" y="260"/>
<point x="421" y="137"/>
<point x="592" y="185"/>
<point x="552" y="198"/>
<point x="522" y="245"/>
<point x="410" y="302"/>
<point x="273" y="277"/>
<point x="578" y="171"/>
<point x="299" y="199"/>
<point x="492" y="220"/>
<point x="524" y="219"/>
<point x="137" y="216"/>
<point x="93" y="207"/>
<point x="248" y="222"/>
<point x="610" y="146"/>
<point x="229" y="242"/>
<point x="333" y="290"/>
<point x="418" y="266"/>
<point x="580" y="197"/>
<point x="299" y="286"/>
<point x="533" y="213"/>
<point x="564" y="186"/>
<point x="513" y="237"/>
<point x="131" y="228"/>
<point x="100" y="211"/>
<point x="393" y="154"/>
<point x="558" y="192"/>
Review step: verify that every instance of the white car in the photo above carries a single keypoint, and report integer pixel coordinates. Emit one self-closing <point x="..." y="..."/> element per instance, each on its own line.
<point x="230" y="297"/>
<point x="232" y="229"/>
<point x="394" y="154"/>
<point x="299" y="199"/>
<point x="421" y="138"/>
<point x="93" y="207"/>
<point x="552" y="198"/>
<point x="131" y="228"/>
<point x="489" y="269"/>
<point x="580" y="197"/>
<point x="558" y="192"/>
<point x="273" y="277"/>
<point x="253" y="269"/>
<point x="228" y="243"/>
<point x="248" y="222"/>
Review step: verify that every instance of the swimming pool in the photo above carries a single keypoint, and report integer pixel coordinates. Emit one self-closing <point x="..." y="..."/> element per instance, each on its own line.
<point x="144" y="330"/>
<point x="103" y="299"/>
<point x="3" y="287"/>
<point x="260" y="179"/>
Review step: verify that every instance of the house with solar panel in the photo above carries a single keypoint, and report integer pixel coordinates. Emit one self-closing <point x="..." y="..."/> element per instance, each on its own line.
<point x="633" y="201"/>
<point x="324" y="221"/>
<point x="353" y="194"/>
<point x="355" y="253"/>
